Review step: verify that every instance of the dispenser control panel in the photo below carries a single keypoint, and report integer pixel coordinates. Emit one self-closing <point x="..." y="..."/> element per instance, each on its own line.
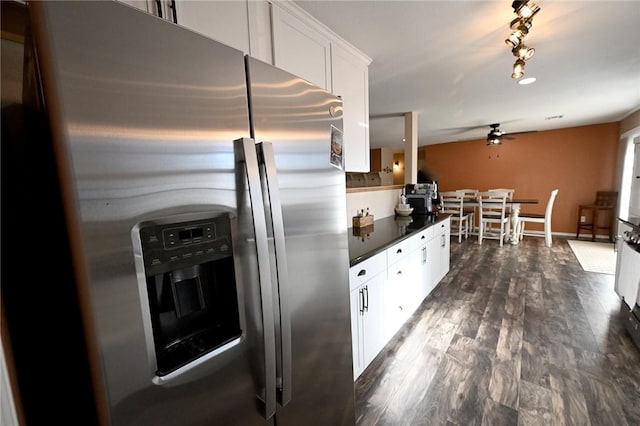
<point x="166" y="246"/>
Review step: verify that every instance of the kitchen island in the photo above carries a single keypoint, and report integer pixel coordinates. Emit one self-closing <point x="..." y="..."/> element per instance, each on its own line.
<point x="395" y="264"/>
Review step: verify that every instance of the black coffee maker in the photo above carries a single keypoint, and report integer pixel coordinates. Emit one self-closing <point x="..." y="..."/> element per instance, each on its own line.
<point x="423" y="197"/>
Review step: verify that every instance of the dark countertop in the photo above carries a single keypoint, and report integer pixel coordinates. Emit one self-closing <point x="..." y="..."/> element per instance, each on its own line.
<point x="384" y="233"/>
<point x="632" y="221"/>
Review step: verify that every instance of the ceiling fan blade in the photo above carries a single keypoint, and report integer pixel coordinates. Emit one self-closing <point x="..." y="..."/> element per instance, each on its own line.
<point x="510" y="136"/>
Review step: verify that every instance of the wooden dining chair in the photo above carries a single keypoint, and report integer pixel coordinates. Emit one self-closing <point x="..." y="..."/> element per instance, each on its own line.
<point x="545" y="219"/>
<point x="470" y="205"/>
<point x="604" y="205"/>
<point x="493" y="211"/>
<point x="453" y="203"/>
<point x="509" y="192"/>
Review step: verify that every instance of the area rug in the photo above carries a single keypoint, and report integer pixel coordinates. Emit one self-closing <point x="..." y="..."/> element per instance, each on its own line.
<point x="594" y="256"/>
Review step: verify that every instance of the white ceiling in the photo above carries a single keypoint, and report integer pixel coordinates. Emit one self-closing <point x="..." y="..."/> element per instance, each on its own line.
<point x="447" y="61"/>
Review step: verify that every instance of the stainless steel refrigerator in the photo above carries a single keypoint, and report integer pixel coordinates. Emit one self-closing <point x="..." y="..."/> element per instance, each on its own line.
<point x="204" y="198"/>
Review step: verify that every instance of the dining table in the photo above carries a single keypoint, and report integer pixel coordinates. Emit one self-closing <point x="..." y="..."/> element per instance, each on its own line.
<point x="514" y="208"/>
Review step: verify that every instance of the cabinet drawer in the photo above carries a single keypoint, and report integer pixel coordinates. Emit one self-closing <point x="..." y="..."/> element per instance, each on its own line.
<point x="397" y="252"/>
<point x="420" y="239"/>
<point x="443" y="226"/>
<point x="367" y="269"/>
<point x="398" y="272"/>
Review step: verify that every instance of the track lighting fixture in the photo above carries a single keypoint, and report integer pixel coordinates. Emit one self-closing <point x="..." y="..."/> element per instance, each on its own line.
<point x="525" y="9"/>
<point x="518" y="69"/>
<point x="523" y="52"/>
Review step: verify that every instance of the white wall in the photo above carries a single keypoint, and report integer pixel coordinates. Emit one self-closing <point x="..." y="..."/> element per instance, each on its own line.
<point x="381" y="203"/>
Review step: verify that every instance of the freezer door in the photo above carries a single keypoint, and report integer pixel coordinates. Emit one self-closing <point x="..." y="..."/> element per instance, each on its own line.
<point x="143" y="116"/>
<point x="298" y="120"/>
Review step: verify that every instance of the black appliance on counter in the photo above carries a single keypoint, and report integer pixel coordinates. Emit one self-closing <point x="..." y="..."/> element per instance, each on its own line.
<point x="423" y="197"/>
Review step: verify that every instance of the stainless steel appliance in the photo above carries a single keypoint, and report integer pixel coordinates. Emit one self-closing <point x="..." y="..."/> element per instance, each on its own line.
<point x="211" y="271"/>
<point x="423" y="197"/>
<point x="627" y="284"/>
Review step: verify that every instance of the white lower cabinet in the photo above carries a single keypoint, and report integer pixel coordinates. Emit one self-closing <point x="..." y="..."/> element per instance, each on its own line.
<point x="440" y="248"/>
<point x="386" y="289"/>
<point x="397" y="298"/>
<point x="367" y="283"/>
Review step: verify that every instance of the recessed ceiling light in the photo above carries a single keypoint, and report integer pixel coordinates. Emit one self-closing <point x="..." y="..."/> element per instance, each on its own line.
<point x="527" y="80"/>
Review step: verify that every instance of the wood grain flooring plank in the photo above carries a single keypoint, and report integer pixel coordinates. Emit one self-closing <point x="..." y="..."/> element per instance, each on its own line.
<point x="518" y="335"/>
<point x="504" y="383"/>
<point x="567" y="399"/>
<point x="535" y="364"/>
<point x="534" y="405"/>
<point x="602" y="401"/>
<point x="497" y="414"/>
<point x="510" y="339"/>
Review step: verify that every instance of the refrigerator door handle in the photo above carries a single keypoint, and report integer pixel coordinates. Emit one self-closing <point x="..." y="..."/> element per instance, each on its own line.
<point x="265" y="150"/>
<point x="246" y="148"/>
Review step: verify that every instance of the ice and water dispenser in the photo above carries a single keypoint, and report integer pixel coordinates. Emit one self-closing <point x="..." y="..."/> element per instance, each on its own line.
<point x="191" y="288"/>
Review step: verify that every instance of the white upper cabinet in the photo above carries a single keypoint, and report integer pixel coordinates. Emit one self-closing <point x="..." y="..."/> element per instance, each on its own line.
<point x="224" y="21"/>
<point x="242" y="24"/>
<point x="299" y="48"/>
<point x="305" y="47"/>
<point x="283" y="34"/>
<point x="350" y="81"/>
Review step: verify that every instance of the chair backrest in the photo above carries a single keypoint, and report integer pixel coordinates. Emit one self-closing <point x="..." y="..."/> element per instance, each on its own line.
<point x="606" y="198"/>
<point x="468" y="192"/>
<point x="492" y="204"/>
<point x="549" y="210"/>
<point x="451" y="202"/>
<point x="509" y="192"/>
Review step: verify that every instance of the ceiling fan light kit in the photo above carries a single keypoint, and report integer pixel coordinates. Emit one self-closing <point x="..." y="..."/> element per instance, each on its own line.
<point x="526" y="10"/>
<point x="494" y="137"/>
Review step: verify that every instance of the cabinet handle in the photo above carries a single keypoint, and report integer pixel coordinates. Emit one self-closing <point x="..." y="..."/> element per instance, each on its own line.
<point x="172" y="5"/>
<point x="444" y="243"/>
<point x="424" y="255"/>
<point x="399" y="251"/>
<point x="362" y="301"/>
<point x="366" y="306"/>
<point x="362" y="272"/>
<point x="423" y="237"/>
<point x="159" y="7"/>
<point x="399" y="272"/>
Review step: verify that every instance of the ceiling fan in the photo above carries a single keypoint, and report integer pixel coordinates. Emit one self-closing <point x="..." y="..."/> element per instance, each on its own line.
<point x="495" y="135"/>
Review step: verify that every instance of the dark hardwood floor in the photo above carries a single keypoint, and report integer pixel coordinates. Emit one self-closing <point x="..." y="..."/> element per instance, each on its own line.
<point x="518" y="335"/>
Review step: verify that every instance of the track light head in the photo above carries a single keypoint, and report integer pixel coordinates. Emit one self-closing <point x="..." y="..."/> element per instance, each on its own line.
<point x="518" y="69"/>
<point x="525" y="9"/>
<point x="523" y="52"/>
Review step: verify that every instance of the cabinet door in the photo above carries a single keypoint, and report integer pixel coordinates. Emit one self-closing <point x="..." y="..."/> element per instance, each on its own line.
<point x="445" y="254"/>
<point x="350" y="81"/>
<point x="433" y="262"/>
<point x="224" y="21"/>
<point x="374" y="320"/>
<point x="300" y="49"/>
<point x="445" y="247"/>
<point x="138" y="4"/>
<point x="357" y="339"/>
<point x="420" y="277"/>
<point x="397" y="295"/>
<point x="634" y="199"/>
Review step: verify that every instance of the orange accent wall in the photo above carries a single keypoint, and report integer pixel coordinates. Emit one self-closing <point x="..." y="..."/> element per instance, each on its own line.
<point x="375" y="159"/>
<point x="578" y="161"/>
